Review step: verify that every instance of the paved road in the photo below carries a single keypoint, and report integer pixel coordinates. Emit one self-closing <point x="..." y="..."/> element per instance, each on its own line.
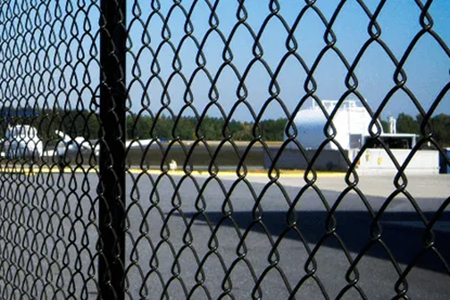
<point x="221" y="237"/>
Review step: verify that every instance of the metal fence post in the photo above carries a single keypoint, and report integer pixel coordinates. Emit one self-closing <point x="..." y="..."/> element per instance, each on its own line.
<point x="112" y="154"/>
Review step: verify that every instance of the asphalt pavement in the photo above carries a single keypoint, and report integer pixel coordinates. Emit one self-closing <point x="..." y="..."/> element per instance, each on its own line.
<point x="203" y="237"/>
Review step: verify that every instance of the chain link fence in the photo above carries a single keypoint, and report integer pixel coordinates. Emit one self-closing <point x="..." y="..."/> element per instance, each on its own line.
<point x="185" y="149"/>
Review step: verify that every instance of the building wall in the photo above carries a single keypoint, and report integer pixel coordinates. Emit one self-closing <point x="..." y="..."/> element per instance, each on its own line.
<point x="377" y="161"/>
<point x="373" y="161"/>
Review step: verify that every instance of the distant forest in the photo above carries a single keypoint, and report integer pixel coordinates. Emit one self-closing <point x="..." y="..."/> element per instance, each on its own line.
<point x="270" y="130"/>
<point x="439" y="126"/>
<point x="87" y="124"/>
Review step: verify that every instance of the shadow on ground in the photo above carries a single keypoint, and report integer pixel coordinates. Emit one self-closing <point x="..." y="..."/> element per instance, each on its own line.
<point x="402" y="232"/>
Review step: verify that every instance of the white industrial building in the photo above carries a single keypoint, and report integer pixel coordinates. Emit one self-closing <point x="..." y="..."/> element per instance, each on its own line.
<point x="352" y="122"/>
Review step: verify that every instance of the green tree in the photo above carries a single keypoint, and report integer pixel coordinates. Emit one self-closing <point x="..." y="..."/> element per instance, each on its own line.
<point x="407" y="124"/>
<point x="273" y="130"/>
<point x="441" y="129"/>
<point x="138" y="126"/>
<point x="385" y="125"/>
<point x="186" y="128"/>
<point x="163" y="127"/>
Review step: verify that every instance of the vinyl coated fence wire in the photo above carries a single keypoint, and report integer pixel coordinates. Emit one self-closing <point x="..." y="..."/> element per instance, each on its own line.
<point x="138" y="158"/>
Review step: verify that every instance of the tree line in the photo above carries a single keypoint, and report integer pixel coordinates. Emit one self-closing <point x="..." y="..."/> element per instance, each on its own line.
<point x="87" y="124"/>
<point x="210" y="128"/>
<point x="439" y="125"/>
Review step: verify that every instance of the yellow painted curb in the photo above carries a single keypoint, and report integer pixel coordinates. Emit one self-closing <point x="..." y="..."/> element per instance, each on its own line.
<point x="82" y="170"/>
<point x="252" y="173"/>
<point x="18" y="170"/>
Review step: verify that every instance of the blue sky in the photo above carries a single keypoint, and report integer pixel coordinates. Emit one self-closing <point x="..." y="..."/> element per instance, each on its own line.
<point x="427" y="67"/>
<point x="50" y="38"/>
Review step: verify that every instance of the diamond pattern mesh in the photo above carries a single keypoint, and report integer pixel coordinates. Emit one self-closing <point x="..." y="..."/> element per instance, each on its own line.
<point x="141" y="157"/>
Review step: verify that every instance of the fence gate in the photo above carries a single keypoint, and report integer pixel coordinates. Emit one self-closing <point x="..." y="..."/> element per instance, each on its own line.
<point x="180" y="149"/>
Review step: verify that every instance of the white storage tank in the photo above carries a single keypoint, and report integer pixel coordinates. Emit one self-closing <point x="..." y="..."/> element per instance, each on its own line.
<point x="351" y="122"/>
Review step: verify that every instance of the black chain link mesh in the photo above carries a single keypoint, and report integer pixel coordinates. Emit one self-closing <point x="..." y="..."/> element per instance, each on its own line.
<point x="104" y="195"/>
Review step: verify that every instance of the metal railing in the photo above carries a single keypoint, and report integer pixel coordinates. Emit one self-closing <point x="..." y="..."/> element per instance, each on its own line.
<point x="143" y="156"/>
